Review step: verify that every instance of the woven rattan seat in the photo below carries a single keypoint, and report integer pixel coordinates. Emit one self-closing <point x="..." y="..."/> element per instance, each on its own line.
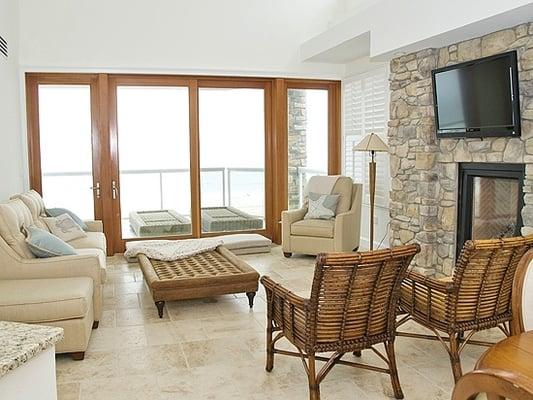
<point x="207" y="274"/>
<point x="478" y="296"/>
<point x="352" y="307"/>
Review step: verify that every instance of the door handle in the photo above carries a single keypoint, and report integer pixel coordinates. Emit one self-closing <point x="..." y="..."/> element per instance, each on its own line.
<point x="96" y="189"/>
<point x="114" y="190"/>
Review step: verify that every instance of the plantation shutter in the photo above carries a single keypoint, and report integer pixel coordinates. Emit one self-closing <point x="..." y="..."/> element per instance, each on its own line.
<point x="366" y="111"/>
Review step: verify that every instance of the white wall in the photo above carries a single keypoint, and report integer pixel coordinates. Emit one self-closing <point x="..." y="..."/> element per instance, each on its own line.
<point x="410" y="25"/>
<point x="184" y="36"/>
<point x="11" y="171"/>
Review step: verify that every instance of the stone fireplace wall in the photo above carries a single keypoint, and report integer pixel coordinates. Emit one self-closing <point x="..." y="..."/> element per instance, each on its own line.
<point x="423" y="206"/>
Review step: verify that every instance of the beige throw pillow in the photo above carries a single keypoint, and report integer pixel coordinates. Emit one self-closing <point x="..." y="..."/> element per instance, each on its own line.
<point x="64" y="227"/>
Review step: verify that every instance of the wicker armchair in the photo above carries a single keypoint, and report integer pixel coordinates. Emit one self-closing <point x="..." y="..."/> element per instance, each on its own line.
<point x="478" y="296"/>
<point x="352" y="307"/>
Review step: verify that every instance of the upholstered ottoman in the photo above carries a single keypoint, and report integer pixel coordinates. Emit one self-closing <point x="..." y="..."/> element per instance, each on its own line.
<point x="207" y="274"/>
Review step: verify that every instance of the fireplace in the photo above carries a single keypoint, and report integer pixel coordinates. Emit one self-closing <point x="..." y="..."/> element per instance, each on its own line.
<point x="490" y="201"/>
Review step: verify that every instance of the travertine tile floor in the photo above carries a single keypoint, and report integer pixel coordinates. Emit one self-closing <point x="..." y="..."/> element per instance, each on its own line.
<point x="214" y="349"/>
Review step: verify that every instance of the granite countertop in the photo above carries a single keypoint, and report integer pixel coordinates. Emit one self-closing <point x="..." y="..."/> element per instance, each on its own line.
<point x="19" y="343"/>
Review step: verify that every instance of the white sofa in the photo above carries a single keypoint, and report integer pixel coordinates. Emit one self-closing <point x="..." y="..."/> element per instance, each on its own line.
<point x="64" y="291"/>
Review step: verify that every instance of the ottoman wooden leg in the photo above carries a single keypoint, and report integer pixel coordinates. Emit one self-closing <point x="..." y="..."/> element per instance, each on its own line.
<point x="251" y="296"/>
<point x="160" y="305"/>
<point x="287" y="254"/>
<point x="95" y="324"/>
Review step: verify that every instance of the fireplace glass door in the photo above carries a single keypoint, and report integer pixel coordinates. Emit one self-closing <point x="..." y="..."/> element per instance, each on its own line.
<point x="495" y="207"/>
<point x="490" y="201"/>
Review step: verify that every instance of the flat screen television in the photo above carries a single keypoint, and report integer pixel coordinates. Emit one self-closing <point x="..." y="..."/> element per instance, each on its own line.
<point x="478" y="98"/>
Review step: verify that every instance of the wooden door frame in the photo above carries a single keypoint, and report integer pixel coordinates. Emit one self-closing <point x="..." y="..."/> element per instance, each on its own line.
<point x="269" y="163"/>
<point x="281" y="87"/>
<point x="98" y="131"/>
<point x="116" y="80"/>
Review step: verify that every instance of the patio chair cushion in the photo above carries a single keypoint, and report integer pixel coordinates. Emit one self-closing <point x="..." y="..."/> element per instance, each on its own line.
<point x="218" y="219"/>
<point x="246" y="243"/>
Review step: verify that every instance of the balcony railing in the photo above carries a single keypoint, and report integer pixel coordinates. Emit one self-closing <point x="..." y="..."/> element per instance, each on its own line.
<point x="228" y="181"/>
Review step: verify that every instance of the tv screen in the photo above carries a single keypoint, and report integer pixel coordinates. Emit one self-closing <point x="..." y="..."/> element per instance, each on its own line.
<point x="478" y="98"/>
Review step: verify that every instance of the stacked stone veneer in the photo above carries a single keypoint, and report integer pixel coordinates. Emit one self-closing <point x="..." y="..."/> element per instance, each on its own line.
<point x="424" y="170"/>
<point x="297" y="126"/>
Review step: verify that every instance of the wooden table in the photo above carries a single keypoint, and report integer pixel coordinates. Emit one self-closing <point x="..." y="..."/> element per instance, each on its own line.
<point x="503" y="371"/>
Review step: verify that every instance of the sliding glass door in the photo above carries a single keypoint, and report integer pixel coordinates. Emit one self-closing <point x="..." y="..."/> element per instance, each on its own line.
<point x="162" y="156"/>
<point x="152" y="136"/>
<point x="232" y="158"/>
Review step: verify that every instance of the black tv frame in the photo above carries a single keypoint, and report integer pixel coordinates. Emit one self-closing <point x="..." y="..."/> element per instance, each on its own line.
<point x="514" y="131"/>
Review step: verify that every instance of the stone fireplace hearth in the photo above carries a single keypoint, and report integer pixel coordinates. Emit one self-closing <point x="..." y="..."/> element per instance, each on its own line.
<point x="424" y="170"/>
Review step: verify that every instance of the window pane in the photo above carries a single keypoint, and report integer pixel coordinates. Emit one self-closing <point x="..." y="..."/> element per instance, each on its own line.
<point x="153" y="141"/>
<point x="232" y="158"/>
<point x="307" y="138"/>
<point x="66" y="147"/>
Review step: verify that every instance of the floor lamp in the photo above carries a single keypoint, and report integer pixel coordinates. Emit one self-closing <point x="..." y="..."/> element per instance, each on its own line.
<point x="372" y="143"/>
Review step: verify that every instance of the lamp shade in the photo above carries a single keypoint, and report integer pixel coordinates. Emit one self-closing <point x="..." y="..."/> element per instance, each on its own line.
<point x="371" y="142"/>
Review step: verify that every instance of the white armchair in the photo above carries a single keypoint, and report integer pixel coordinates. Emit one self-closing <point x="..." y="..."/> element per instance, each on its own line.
<point x="313" y="236"/>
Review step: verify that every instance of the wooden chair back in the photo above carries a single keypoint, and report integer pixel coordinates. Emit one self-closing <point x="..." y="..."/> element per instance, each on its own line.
<point x="354" y="298"/>
<point x="483" y="280"/>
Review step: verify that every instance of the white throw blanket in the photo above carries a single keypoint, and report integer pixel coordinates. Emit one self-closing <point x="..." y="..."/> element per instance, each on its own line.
<point x="170" y="250"/>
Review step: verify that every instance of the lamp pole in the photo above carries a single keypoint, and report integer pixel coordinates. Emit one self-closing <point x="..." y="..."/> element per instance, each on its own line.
<point x="372" y="192"/>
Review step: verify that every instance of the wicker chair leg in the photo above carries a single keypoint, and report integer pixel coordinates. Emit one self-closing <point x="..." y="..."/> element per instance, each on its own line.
<point x="269" y="348"/>
<point x="314" y="388"/>
<point x="395" y="380"/>
<point x="455" y="359"/>
<point x="357" y="353"/>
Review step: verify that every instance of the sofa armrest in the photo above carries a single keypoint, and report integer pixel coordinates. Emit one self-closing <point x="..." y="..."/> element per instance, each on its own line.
<point x="94" y="226"/>
<point x="57" y="267"/>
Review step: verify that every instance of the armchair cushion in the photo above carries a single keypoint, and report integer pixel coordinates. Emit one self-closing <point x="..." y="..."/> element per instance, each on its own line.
<point x="45" y="300"/>
<point x="13" y="215"/>
<point x="313" y="227"/>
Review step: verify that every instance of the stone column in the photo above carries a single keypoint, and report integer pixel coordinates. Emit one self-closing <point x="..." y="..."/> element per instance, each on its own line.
<point x="414" y="208"/>
<point x="297" y="126"/>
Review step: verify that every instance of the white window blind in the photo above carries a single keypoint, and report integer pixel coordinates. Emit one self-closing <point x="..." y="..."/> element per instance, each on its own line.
<point x="365" y="111"/>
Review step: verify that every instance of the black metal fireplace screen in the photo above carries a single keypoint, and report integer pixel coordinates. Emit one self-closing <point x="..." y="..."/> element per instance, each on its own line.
<point x="490" y="201"/>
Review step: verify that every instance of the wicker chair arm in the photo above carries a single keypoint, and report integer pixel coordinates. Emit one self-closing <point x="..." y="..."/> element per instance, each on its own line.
<point x="429" y="282"/>
<point x="280" y="292"/>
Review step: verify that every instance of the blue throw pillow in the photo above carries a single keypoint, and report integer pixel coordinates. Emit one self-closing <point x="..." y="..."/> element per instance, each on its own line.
<point x="56" y="212"/>
<point x="43" y="244"/>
